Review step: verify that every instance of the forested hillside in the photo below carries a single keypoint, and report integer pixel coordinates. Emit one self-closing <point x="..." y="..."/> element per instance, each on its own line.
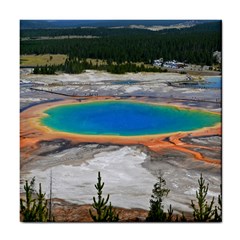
<point x="192" y="45"/>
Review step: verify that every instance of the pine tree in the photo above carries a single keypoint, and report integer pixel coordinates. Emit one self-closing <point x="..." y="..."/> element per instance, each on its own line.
<point x="33" y="209"/>
<point x="28" y="206"/>
<point x="156" y="213"/>
<point x="41" y="208"/>
<point x="203" y="212"/>
<point x="218" y="209"/>
<point x="104" y="213"/>
<point x="36" y="70"/>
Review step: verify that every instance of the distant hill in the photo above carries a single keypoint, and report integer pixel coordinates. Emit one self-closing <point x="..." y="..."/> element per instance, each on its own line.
<point x="190" y="41"/>
<point x="44" y="24"/>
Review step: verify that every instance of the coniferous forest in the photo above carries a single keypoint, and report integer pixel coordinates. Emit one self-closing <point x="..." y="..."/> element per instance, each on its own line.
<point x="39" y="209"/>
<point x="124" y="46"/>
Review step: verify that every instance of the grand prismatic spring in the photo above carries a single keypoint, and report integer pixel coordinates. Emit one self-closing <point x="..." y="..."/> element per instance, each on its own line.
<point x="125" y="118"/>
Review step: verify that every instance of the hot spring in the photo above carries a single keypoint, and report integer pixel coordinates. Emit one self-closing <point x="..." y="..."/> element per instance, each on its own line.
<point x="125" y="118"/>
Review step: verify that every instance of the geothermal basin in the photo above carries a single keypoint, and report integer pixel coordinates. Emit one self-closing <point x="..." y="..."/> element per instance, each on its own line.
<point x="130" y="142"/>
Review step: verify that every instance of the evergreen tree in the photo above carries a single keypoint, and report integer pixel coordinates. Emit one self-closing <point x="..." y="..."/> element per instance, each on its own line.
<point x="194" y="45"/>
<point x="156" y="213"/>
<point x="104" y="213"/>
<point x="36" y="70"/>
<point x="41" y="207"/>
<point x="28" y="206"/>
<point x="218" y="209"/>
<point x="33" y="209"/>
<point x="203" y="212"/>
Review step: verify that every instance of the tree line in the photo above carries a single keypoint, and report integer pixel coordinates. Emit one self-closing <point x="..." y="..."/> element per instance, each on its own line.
<point x="194" y="45"/>
<point x="76" y="66"/>
<point x="35" y="209"/>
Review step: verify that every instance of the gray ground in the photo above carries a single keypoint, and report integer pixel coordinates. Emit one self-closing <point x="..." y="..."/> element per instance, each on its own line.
<point x="129" y="172"/>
